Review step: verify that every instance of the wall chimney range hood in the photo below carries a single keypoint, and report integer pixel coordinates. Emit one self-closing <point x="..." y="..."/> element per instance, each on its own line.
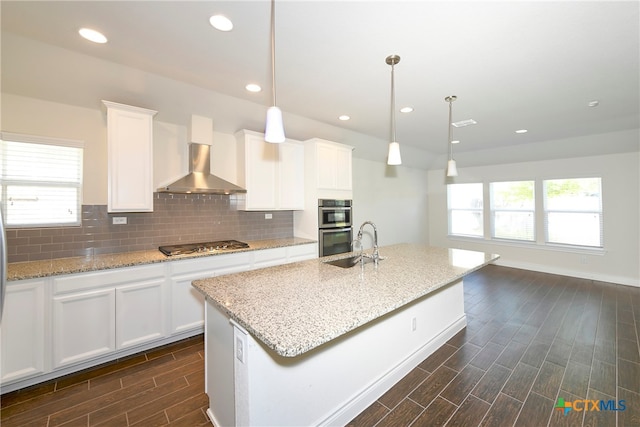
<point x="199" y="179"/>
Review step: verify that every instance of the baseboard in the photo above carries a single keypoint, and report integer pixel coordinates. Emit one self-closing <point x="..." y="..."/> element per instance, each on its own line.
<point x="618" y="280"/>
<point x="369" y="395"/>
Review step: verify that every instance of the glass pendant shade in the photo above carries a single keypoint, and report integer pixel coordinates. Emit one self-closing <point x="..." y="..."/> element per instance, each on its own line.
<point x="394" y="154"/>
<point x="452" y="170"/>
<point x="274" y="128"/>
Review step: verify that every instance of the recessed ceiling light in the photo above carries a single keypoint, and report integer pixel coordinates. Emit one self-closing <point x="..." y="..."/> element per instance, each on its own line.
<point x="221" y="23"/>
<point x="463" y="123"/>
<point x="92" y="35"/>
<point x="522" y="131"/>
<point x="593" y="103"/>
<point x="455" y="141"/>
<point x="344" y="117"/>
<point x="406" y="109"/>
<point x="252" y="87"/>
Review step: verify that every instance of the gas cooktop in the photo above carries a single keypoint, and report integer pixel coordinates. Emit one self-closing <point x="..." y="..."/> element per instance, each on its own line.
<point x="189" y="248"/>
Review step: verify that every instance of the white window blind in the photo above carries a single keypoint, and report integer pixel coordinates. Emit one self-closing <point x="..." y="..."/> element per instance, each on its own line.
<point x="465" y="202"/>
<point x="41" y="180"/>
<point x="573" y="211"/>
<point x="513" y="210"/>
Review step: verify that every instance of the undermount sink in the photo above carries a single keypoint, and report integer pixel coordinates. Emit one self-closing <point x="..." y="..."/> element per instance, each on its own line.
<point x="349" y="262"/>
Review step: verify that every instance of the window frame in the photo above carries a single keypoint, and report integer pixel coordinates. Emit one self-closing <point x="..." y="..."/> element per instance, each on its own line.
<point x="546" y="211"/>
<point x="77" y="186"/>
<point x="493" y="210"/>
<point x="480" y="210"/>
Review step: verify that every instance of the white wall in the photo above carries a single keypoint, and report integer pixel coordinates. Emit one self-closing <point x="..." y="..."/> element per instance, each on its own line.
<point x="620" y="260"/>
<point x="394" y="198"/>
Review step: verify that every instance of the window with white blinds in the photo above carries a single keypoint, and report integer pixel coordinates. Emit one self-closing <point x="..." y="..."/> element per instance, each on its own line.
<point x="465" y="209"/>
<point x="513" y="210"/>
<point x="41" y="180"/>
<point x="573" y="211"/>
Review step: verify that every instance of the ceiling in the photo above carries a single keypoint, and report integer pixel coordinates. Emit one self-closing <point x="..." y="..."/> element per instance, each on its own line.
<point x="513" y="64"/>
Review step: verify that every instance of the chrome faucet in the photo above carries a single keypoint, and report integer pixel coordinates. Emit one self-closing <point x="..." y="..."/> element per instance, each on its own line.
<point x="376" y="254"/>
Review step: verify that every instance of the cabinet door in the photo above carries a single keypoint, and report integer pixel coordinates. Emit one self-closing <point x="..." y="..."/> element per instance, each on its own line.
<point x="326" y="166"/>
<point x="334" y="166"/>
<point x="187" y="303"/>
<point x="140" y="313"/>
<point x="344" y="168"/>
<point x="261" y="171"/>
<point x="291" y="176"/>
<point x="83" y="326"/>
<point x="130" y="158"/>
<point x="23" y="331"/>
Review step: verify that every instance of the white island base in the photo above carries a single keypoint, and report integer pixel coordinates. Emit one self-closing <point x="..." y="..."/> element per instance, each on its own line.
<point x="249" y="384"/>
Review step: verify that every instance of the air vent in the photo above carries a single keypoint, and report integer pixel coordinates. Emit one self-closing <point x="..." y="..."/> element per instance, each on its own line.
<point x="463" y="123"/>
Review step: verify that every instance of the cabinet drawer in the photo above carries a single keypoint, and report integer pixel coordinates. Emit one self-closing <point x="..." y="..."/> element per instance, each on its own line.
<point x="224" y="263"/>
<point x="269" y="257"/>
<point x="302" y="252"/>
<point x="115" y="277"/>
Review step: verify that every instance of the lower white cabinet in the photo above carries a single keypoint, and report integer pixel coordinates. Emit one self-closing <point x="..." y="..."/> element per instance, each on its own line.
<point x="57" y="325"/>
<point x="84" y="326"/>
<point x="140" y="313"/>
<point x="98" y="313"/>
<point x="23" y="330"/>
<point x="187" y="304"/>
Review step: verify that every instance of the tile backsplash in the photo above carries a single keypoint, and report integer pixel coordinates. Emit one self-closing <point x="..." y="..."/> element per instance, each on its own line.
<point x="177" y="218"/>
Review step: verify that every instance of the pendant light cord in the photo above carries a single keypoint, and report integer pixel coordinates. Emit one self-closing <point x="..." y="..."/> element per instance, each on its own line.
<point x="273" y="50"/>
<point x="450" y="132"/>
<point x="393" y="105"/>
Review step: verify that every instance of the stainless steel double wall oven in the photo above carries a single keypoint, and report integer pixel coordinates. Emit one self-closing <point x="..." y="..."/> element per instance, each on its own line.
<point x="335" y="232"/>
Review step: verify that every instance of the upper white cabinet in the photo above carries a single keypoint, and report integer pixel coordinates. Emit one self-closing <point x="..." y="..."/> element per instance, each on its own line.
<point x="130" y="158"/>
<point x="273" y="174"/>
<point x="333" y="165"/>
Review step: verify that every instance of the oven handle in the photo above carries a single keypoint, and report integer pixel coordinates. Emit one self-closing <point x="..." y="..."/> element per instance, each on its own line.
<point x="334" y="230"/>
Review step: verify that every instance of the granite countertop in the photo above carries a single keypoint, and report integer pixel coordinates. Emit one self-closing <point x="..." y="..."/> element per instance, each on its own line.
<point x="297" y="307"/>
<point x="55" y="267"/>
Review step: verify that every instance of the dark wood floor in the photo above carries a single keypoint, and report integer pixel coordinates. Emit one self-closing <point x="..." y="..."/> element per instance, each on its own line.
<point x="531" y="339"/>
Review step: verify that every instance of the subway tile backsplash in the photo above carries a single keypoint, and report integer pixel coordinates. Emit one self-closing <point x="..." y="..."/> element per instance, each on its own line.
<point x="177" y="218"/>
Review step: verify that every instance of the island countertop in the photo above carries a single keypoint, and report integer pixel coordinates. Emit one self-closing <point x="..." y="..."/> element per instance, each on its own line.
<point x="297" y="307"/>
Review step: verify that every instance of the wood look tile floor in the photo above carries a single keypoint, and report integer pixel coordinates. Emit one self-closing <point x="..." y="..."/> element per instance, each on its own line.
<point x="531" y="338"/>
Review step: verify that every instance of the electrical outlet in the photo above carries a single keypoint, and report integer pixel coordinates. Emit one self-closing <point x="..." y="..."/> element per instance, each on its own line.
<point x="268" y="216"/>
<point x="119" y="220"/>
<point x="239" y="349"/>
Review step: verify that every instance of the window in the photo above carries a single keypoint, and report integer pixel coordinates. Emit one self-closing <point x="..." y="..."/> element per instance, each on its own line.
<point x="465" y="209"/>
<point x="573" y="211"/>
<point x="41" y="180"/>
<point x="513" y="210"/>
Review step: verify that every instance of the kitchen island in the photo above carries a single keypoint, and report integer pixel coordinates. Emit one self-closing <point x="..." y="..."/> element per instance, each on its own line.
<point x="311" y="343"/>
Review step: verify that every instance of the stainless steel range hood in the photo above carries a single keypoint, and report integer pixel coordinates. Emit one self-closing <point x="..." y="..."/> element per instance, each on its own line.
<point x="199" y="179"/>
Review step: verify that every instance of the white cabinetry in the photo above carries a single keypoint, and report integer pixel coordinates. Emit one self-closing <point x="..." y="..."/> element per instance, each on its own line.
<point x="328" y="175"/>
<point x="187" y="304"/>
<point x="97" y="313"/>
<point x="23" y="346"/>
<point x="130" y="158"/>
<point x="273" y="174"/>
<point x="332" y="165"/>
<point x="61" y="324"/>
<point x="83" y="326"/>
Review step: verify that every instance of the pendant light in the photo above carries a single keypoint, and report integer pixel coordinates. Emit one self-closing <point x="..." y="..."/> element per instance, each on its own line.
<point x="393" y="157"/>
<point x="274" y="128"/>
<point x="452" y="170"/>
